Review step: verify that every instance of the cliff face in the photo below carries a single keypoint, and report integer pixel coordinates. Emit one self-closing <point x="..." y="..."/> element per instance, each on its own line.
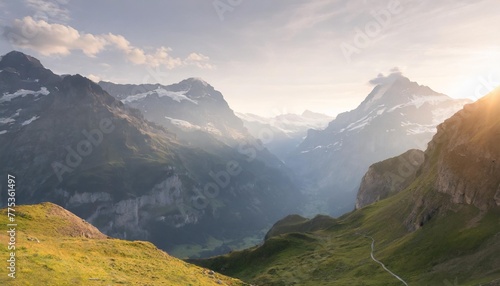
<point x="389" y="177"/>
<point x="462" y="163"/>
<point x="466" y="154"/>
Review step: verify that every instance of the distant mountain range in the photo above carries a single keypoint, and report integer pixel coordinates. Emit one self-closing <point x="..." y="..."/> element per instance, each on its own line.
<point x="396" y="116"/>
<point x="70" y="142"/>
<point x="281" y="134"/>
<point x="190" y="105"/>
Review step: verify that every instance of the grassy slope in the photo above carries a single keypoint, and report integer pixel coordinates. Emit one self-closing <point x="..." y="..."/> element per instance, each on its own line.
<point x="71" y="252"/>
<point x="460" y="243"/>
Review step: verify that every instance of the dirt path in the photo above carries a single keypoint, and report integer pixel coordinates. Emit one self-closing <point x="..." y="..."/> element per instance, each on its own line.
<point x="382" y="264"/>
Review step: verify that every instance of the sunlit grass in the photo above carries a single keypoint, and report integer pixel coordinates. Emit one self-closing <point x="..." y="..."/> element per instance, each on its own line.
<point x="64" y="257"/>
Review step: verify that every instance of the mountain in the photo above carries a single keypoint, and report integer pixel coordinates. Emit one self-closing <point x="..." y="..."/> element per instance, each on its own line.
<point x="442" y="229"/>
<point x="55" y="247"/>
<point x="396" y="116"/>
<point x="198" y="115"/>
<point x="189" y="105"/>
<point x="381" y="181"/>
<point x="283" y="133"/>
<point x="70" y="142"/>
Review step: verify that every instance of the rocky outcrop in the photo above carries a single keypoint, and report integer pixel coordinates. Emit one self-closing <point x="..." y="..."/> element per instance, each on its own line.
<point x="467" y="154"/>
<point x="389" y="177"/>
<point x="462" y="163"/>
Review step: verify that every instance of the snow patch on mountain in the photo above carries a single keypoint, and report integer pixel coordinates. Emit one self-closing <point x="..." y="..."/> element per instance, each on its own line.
<point x="183" y="123"/>
<point x="289" y="123"/>
<point x="23" y="93"/>
<point x="380" y="93"/>
<point x="30" y="120"/>
<point x="210" y="128"/>
<point x="161" y="92"/>
<point x="7" y="120"/>
<point x="420" y="100"/>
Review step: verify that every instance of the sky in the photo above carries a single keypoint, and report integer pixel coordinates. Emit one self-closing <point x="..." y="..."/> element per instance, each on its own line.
<point x="267" y="57"/>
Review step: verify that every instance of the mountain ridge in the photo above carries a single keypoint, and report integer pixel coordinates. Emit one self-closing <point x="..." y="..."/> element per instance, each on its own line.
<point x="189" y="105"/>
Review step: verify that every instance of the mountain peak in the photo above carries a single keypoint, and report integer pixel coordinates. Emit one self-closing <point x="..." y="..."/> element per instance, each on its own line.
<point x="196" y="89"/>
<point x="23" y="67"/>
<point x="16" y="59"/>
<point x="312" y="114"/>
<point x="196" y="80"/>
<point x="396" y="89"/>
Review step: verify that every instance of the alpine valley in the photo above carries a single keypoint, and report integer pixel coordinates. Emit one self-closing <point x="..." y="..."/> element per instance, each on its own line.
<point x="442" y="228"/>
<point x="116" y="183"/>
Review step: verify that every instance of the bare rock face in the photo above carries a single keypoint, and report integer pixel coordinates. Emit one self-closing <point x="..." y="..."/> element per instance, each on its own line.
<point x="467" y="153"/>
<point x="389" y="177"/>
<point x="462" y="163"/>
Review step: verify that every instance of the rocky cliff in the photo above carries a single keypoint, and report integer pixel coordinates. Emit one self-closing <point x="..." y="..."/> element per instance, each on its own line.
<point x="467" y="154"/>
<point x="389" y="177"/>
<point x="462" y="163"/>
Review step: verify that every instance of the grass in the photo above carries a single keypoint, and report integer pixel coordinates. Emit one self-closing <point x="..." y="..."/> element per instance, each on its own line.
<point x="459" y="243"/>
<point x="71" y="252"/>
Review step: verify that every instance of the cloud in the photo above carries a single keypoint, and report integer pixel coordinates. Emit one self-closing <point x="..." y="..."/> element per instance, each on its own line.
<point x="94" y="78"/>
<point x="395" y="73"/>
<point x="199" y="60"/>
<point x="58" y="39"/>
<point x="49" y="39"/>
<point x="138" y="56"/>
<point x="49" y="9"/>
